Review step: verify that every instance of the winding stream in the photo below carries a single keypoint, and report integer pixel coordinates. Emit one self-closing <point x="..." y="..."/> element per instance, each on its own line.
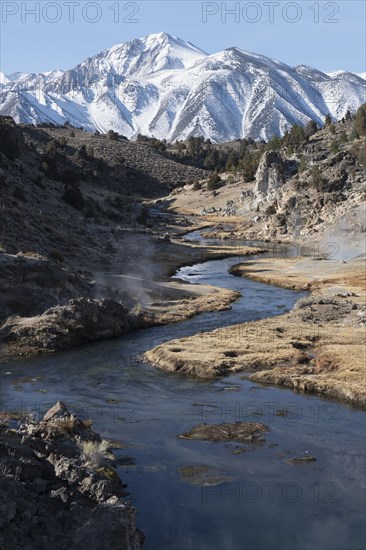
<point x="233" y="500"/>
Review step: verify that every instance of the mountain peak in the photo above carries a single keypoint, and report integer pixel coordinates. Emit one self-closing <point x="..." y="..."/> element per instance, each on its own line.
<point x="160" y="36"/>
<point x="152" y="53"/>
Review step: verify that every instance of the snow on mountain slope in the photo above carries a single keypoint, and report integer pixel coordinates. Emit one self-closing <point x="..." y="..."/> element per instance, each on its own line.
<point x="340" y="72"/>
<point x="163" y="86"/>
<point x="4" y="78"/>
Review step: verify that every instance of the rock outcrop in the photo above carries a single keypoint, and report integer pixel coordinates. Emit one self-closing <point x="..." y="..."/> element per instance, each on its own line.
<point x="243" y="432"/>
<point x="62" y="327"/>
<point x="59" y="488"/>
<point x="269" y="177"/>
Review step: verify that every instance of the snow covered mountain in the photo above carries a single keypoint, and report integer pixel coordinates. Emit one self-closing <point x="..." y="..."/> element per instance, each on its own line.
<point x="163" y="86"/>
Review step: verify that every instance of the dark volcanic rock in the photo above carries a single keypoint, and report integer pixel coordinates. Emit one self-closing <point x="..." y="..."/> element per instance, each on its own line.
<point x="50" y="500"/>
<point x="62" y="327"/>
<point x="238" y="431"/>
<point x="301" y="460"/>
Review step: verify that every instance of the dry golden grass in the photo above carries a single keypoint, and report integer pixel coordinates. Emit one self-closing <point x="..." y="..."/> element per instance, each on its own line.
<point x="198" y="299"/>
<point x="327" y="356"/>
<point x="95" y="452"/>
<point x="305" y="273"/>
<point x="260" y="344"/>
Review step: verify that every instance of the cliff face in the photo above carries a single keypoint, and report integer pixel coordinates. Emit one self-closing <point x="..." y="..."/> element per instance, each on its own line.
<point x="304" y="207"/>
<point x="318" y="189"/>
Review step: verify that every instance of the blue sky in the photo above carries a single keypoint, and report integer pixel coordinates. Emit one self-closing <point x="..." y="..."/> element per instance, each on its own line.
<point x="324" y="34"/>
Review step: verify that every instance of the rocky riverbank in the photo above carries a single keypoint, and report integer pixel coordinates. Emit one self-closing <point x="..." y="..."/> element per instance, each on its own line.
<point x="135" y="300"/>
<point x="59" y="487"/>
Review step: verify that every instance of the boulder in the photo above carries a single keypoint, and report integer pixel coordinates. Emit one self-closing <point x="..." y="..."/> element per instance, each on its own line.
<point x="57" y="411"/>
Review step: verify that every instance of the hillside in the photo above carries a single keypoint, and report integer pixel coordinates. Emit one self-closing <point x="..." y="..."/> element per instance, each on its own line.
<point x="307" y="185"/>
<point x="70" y="202"/>
<point x="96" y="217"/>
<point x="82" y="257"/>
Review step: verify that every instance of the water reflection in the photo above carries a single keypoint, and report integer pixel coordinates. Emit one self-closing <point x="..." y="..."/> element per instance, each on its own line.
<point x="261" y="502"/>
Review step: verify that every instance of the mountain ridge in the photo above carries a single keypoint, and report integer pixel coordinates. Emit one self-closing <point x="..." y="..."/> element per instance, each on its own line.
<point x="163" y="86"/>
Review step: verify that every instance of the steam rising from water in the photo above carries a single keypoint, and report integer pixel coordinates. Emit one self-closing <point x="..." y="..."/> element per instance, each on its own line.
<point x="131" y="272"/>
<point x="347" y="239"/>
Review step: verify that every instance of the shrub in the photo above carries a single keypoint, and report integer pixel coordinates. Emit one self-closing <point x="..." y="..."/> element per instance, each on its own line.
<point x="348" y="115"/>
<point x="362" y="156"/>
<point x="51" y="148"/>
<point x="214" y="182"/>
<point x="302" y="164"/>
<point x="83" y="152"/>
<point x="19" y="194"/>
<point x="197" y="186"/>
<point x="112" y="135"/>
<point x="274" y="144"/>
<point x="360" y="120"/>
<point x="296" y="137"/>
<point x="11" y="140"/>
<point x="327" y="120"/>
<point x="141" y="137"/>
<point x="108" y="472"/>
<point x="343" y="137"/>
<point x="95" y="452"/>
<point x="316" y="178"/>
<point x="311" y="128"/>
<point x="72" y="196"/>
<point x="62" y="142"/>
<point x="158" y="145"/>
<point x="56" y="255"/>
<point x="271" y="210"/>
<point x="334" y="147"/>
<point x="249" y="164"/>
<point x="231" y="162"/>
